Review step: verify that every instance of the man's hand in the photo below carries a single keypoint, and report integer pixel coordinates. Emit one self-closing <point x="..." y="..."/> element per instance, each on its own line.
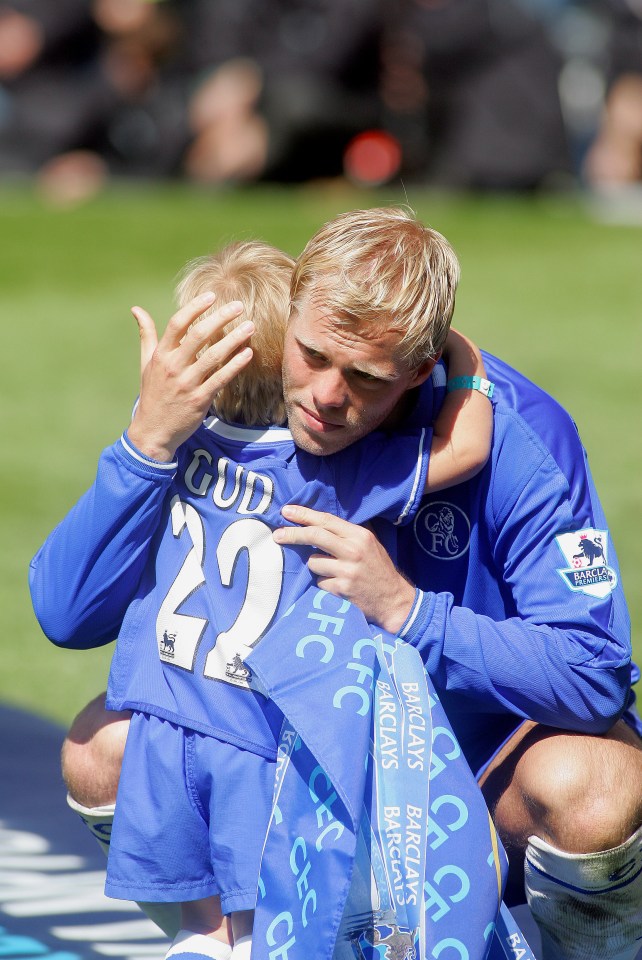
<point x="179" y="378"/>
<point x="353" y="565"/>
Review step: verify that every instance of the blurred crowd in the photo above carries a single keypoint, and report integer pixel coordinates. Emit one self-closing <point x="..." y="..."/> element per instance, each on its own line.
<point x="467" y="94"/>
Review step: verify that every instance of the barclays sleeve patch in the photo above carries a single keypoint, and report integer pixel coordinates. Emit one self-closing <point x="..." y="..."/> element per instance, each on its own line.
<point x="587" y="569"/>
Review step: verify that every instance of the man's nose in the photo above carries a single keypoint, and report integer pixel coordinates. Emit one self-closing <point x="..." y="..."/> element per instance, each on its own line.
<point x="330" y="389"/>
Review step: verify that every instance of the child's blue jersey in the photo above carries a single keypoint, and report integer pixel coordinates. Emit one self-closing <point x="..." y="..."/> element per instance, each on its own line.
<point x="178" y="560"/>
<point x="523" y="612"/>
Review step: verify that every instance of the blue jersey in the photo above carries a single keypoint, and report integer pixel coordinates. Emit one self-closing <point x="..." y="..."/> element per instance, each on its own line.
<point x="178" y="560"/>
<point x="522" y="613"/>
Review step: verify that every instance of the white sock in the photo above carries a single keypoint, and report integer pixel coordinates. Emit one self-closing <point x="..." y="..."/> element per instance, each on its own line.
<point x="588" y="906"/>
<point x="195" y="946"/>
<point x="98" y="821"/>
<point x="242" y="948"/>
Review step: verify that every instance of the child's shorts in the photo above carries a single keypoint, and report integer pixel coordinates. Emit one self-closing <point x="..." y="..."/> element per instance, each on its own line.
<point x="191" y="817"/>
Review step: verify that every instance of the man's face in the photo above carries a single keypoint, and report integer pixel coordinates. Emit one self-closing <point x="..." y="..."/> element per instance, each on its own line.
<point x="338" y="383"/>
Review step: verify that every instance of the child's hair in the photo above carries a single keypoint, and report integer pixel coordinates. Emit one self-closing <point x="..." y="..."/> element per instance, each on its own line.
<point x="259" y="276"/>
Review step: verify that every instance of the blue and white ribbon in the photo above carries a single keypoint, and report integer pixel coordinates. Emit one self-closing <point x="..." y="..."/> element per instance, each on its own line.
<point x="380" y="845"/>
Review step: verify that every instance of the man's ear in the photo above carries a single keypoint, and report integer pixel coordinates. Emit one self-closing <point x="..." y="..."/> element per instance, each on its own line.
<point x="423" y="371"/>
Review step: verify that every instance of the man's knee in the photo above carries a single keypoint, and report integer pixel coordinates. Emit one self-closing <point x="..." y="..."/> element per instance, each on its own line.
<point x="579" y="793"/>
<point x="92" y="753"/>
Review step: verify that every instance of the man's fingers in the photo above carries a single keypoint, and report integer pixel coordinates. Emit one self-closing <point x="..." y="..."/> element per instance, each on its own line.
<point x="323" y="565"/>
<point x="148" y="336"/>
<point x="313" y="536"/>
<point x="210" y="329"/>
<point x="222" y="376"/>
<point x="180" y="323"/>
<point x="307" y="517"/>
<point x="223" y="351"/>
<point x="325" y="531"/>
<point x="184" y="333"/>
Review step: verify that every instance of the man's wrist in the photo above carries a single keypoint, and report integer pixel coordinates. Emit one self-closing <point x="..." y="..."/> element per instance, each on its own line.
<point x="153" y="450"/>
<point x="153" y="453"/>
<point x="398" y="612"/>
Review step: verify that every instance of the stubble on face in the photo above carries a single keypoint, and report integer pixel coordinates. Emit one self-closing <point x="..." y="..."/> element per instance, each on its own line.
<point x="330" y="401"/>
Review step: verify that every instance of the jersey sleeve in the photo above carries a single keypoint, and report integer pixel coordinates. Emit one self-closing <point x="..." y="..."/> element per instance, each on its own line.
<point x="382" y="476"/>
<point x="84" y="576"/>
<point x="562" y="657"/>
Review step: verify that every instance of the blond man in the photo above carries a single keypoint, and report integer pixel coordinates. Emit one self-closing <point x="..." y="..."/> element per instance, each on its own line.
<point x="220" y="489"/>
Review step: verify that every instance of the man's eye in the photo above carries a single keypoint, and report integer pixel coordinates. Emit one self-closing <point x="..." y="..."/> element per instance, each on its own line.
<point x="367" y="377"/>
<point x="313" y="354"/>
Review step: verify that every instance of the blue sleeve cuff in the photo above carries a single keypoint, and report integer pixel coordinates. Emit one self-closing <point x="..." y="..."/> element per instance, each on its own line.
<point x="418" y="620"/>
<point x="139" y="459"/>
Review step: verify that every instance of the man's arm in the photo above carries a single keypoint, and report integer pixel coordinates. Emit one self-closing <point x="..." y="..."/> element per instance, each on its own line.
<point x="554" y="663"/>
<point x="86" y="573"/>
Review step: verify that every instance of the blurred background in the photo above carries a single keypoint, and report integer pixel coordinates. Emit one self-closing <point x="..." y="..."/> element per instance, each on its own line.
<point x="135" y="135"/>
<point x="481" y="94"/>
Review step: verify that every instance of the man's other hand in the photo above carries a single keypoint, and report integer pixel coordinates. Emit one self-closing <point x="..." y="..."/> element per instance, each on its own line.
<point x="352" y="564"/>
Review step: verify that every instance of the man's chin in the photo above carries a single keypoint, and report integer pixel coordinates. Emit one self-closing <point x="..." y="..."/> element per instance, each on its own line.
<point x="320" y="444"/>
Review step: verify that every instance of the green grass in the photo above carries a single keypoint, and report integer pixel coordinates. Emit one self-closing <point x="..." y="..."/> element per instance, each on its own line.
<point x="544" y="286"/>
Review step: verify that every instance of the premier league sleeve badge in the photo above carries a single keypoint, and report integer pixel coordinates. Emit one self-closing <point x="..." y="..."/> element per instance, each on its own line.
<point x="586" y="556"/>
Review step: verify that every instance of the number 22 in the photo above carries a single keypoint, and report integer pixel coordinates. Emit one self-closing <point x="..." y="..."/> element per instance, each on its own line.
<point x="178" y="635"/>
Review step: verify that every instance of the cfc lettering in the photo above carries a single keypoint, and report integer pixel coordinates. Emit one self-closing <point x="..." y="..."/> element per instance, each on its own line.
<point x="362" y="689"/>
<point x="450" y="944"/>
<point x="434" y="898"/>
<point x="325" y="623"/>
<point x="436" y="762"/>
<point x="301" y="867"/>
<point x="328" y="646"/>
<point x="275" y="940"/>
<point x="322" y="597"/>
<point x="455" y="818"/>
<point x="324" y="809"/>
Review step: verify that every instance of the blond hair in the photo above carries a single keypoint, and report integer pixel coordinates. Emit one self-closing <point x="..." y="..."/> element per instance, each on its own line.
<point x="259" y="276"/>
<point x="385" y="269"/>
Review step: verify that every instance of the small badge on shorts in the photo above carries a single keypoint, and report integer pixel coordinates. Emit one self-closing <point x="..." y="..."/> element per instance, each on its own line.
<point x="588" y="571"/>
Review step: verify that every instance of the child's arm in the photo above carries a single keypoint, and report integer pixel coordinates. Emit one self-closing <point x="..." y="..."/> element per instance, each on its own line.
<point x="464" y="427"/>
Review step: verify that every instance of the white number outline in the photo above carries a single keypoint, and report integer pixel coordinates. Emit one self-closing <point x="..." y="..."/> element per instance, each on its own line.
<point x="179" y="635"/>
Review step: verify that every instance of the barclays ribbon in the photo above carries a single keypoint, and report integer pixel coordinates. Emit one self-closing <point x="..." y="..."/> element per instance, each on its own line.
<point x="395" y="805"/>
<point x="380" y="844"/>
<point x="320" y="670"/>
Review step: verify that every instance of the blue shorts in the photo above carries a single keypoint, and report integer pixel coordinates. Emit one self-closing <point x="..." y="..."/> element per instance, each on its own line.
<point x="191" y="818"/>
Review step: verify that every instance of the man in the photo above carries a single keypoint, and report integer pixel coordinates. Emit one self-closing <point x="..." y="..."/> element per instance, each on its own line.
<point x="523" y="618"/>
<point x="523" y="629"/>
